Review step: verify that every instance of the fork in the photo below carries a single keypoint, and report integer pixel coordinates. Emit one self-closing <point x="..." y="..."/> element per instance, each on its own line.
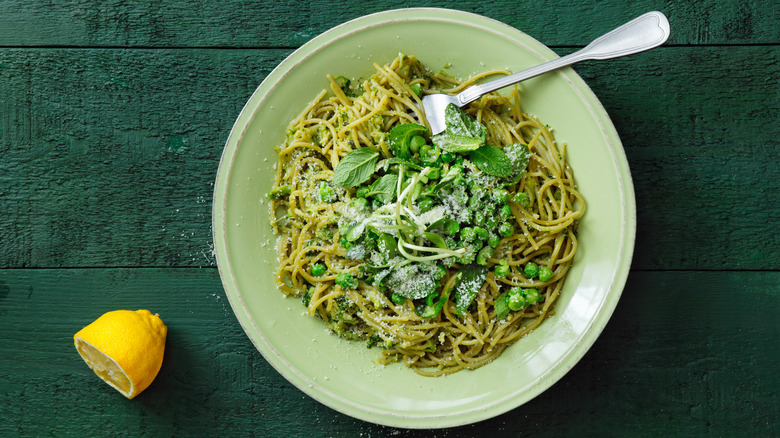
<point x="642" y="33"/>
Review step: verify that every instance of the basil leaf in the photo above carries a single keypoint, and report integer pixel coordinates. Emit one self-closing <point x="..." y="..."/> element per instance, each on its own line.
<point x="472" y="277"/>
<point x="492" y="160"/>
<point x="401" y="137"/>
<point x="450" y="142"/>
<point x="518" y="155"/>
<point x="356" y="167"/>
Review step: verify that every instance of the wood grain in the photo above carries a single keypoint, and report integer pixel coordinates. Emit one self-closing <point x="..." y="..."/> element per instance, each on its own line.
<point x="290" y="23"/>
<point x="685" y="354"/>
<point x="109" y="155"/>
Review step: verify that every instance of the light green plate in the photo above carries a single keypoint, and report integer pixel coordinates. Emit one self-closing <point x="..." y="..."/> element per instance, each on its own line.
<point x="344" y="375"/>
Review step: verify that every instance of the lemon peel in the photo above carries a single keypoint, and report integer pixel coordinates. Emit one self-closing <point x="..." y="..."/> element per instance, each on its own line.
<point x="124" y="348"/>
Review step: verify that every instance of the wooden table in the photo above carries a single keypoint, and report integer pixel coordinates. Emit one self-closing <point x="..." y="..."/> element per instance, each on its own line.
<point x="113" y="116"/>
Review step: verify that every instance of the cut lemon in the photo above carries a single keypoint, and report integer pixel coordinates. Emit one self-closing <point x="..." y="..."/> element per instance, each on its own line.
<point x="125" y="348"/>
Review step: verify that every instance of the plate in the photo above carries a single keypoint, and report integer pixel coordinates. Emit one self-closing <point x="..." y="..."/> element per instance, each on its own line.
<point x="344" y="375"/>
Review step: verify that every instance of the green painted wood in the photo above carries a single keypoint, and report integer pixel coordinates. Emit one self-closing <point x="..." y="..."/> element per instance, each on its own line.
<point x="685" y="354"/>
<point x="109" y="155"/>
<point x="290" y="23"/>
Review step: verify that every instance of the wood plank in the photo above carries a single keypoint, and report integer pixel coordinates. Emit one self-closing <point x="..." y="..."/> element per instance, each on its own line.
<point x="685" y="353"/>
<point x="289" y="23"/>
<point x="700" y="131"/>
<point x="109" y="155"/>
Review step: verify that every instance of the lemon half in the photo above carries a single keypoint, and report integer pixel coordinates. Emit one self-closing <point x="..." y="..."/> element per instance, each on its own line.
<point x="125" y="348"/>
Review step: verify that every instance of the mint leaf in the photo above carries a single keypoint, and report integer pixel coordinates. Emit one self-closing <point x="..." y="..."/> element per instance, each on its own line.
<point x="492" y="160"/>
<point x="518" y="155"/>
<point x="401" y="137"/>
<point x="456" y="143"/>
<point x="383" y="189"/>
<point x="460" y="123"/>
<point x="472" y="277"/>
<point x="463" y="132"/>
<point x="501" y="306"/>
<point x="356" y="167"/>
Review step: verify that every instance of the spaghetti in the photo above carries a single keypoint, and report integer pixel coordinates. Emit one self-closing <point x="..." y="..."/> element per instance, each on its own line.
<point x="440" y="256"/>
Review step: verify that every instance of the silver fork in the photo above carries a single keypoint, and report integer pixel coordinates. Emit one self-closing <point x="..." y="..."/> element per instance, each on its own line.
<point x="642" y="33"/>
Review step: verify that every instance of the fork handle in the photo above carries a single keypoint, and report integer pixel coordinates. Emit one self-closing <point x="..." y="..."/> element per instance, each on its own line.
<point x="642" y="33"/>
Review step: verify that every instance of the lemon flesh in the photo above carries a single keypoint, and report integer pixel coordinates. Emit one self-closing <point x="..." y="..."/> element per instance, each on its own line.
<point x="105" y="367"/>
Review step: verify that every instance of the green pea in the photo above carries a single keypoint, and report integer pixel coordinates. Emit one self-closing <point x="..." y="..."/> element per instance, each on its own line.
<point x="346" y="280"/>
<point x="505" y="212"/>
<point x="416" y="143"/>
<point x="359" y="204"/>
<point x="327" y="194"/>
<point x="516" y="302"/>
<point x="483" y="255"/>
<point x="451" y="243"/>
<point x="475" y="203"/>
<point x="532" y="296"/>
<point x="531" y="270"/>
<point x="545" y="273"/>
<point x="318" y="269"/>
<point x="491" y="223"/>
<point x="506" y="229"/>
<point x="362" y="192"/>
<point x="480" y="219"/>
<point x="425" y="204"/>
<point x="440" y="271"/>
<point x="451" y="227"/>
<point x="434" y="173"/>
<point x="447" y="157"/>
<point x="502" y="269"/>
<point x="493" y="240"/>
<point x="429" y="154"/>
<point x="522" y="199"/>
<point x="482" y="233"/>
<point x="467" y="234"/>
<point x="345" y="226"/>
<point x="397" y="299"/>
<point x="501" y="196"/>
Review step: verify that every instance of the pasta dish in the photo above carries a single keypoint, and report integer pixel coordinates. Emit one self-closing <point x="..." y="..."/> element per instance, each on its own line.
<point x="438" y="250"/>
